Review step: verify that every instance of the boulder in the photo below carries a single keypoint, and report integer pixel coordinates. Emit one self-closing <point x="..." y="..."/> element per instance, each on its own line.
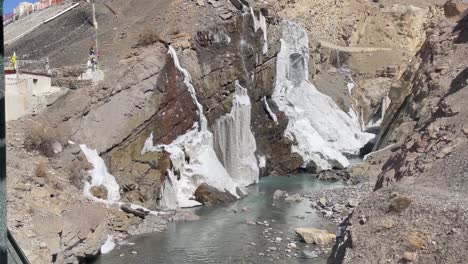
<point x="315" y="236"/>
<point x="137" y="212"/>
<point x="294" y="198"/>
<point x="322" y="202"/>
<point x="280" y="195"/>
<point x="99" y="192"/>
<point x="352" y="203"/>
<point x="207" y="194"/>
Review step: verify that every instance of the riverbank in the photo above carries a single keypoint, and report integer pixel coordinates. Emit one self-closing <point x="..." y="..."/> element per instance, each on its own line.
<point x="255" y="229"/>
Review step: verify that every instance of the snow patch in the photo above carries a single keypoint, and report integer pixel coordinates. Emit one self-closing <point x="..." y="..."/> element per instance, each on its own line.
<point x="234" y="141"/>
<point x="322" y="131"/>
<point x="108" y="246"/>
<point x="260" y="23"/>
<point x="100" y="176"/>
<point x="268" y="109"/>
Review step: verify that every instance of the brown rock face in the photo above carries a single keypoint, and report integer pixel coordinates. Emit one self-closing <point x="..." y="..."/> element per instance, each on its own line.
<point x="206" y="194"/>
<point x="99" y="191"/>
<point x="454" y="8"/>
<point x="179" y="112"/>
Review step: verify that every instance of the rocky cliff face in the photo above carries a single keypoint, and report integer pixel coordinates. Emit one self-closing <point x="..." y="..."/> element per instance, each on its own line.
<point x="418" y="200"/>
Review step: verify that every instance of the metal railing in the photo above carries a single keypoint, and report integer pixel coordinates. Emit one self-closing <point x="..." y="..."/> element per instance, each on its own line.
<point x="15" y="254"/>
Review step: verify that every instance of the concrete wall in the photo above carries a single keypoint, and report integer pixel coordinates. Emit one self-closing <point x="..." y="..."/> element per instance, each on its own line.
<point x="40" y="84"/>
<point x="18" y="98"/>
<point x="23" y="91"/>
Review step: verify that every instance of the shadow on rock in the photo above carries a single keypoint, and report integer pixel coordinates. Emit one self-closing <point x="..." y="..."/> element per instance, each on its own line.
<point x="459" y="82"/>
<point x="462" y="28"/>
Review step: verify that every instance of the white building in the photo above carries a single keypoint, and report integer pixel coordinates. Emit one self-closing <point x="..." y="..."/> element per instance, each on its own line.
<point x="26" y="93"/>
<point x="23" y="8"/>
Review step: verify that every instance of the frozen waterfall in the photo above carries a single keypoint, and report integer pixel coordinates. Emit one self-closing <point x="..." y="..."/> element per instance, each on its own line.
<point x="322" y="132"/>
<point x="234" y="141"/>
<point x="100" y="176"/>
<point x="260" y="23"/>
<point x="193" y="158"/>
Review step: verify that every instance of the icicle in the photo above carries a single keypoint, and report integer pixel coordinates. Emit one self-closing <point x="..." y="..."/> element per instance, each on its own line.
<point x="260" y="23"/>
<point x="234" y="141"/>
<point x="270" y="113"/>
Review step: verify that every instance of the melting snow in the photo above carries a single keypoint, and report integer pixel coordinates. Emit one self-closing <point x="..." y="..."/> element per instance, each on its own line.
<point x="108" y="246"/>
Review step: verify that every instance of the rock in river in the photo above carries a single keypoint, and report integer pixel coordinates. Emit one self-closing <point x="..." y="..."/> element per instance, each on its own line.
<point x="315" y="236"/>
<point x="207" y="194"/>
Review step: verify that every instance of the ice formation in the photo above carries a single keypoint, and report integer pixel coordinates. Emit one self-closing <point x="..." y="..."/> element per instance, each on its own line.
<point x="261" y="162"/>
<point x="260" y="23"/>
<point x="268" y="109"/>
<point x="194" y="160"/>
<point x="100" y="176"/>
<point x="108" y="246"/>
<point x="234" y="141"/>
<point x="383" y="109"/>
<point x="322" y="132"/>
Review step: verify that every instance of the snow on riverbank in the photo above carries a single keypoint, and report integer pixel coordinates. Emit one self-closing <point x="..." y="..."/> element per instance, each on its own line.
<point x="322" y="131"/>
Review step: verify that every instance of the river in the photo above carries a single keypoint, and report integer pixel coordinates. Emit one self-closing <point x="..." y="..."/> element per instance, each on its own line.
<point x="223" y="235"/>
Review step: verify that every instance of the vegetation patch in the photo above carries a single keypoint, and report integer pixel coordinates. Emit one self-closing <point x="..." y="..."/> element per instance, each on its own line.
<point x="399" y="204"/>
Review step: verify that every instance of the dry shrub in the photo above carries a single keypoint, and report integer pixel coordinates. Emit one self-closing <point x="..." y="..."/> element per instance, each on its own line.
<point x="78" y="171"/>
<point x="41" y="168"/>
<point x="388" y="223"/>
<point x="42" y="139"/>
<point x="149" y="37"/>
<point x="399" y="204"/>
<point x="415" y="241"/>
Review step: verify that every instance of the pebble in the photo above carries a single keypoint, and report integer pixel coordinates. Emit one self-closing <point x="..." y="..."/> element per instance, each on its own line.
<point x="278" y="239"/>
<point x="292" y="245"/>
<point x="134" y="252"/>
<point x="272" y="248"/>
<point x="261" y="254"/>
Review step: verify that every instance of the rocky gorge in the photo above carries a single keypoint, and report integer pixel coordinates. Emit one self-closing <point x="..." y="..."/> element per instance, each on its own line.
<point x="205" y="98"/>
